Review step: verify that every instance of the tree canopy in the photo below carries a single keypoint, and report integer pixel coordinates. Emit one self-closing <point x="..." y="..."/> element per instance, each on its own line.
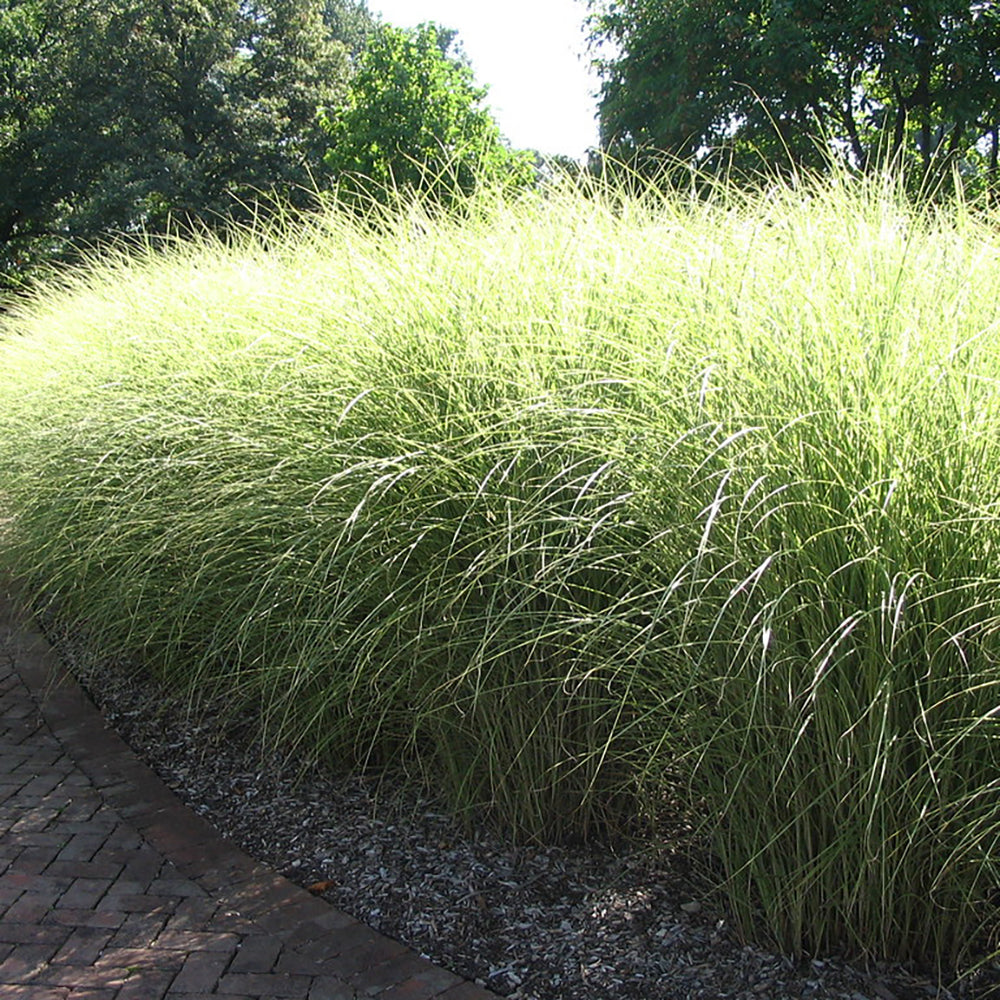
<point x="123" y="115"/>
<point x="414" y="119"/>
<point x="870" y="81"/>
<point x="50" y="98"/>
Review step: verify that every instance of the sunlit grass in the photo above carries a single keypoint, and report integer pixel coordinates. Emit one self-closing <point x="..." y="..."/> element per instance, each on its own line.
<point x="559" y="500"/>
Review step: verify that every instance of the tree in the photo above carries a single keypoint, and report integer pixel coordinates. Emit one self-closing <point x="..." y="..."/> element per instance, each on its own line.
<point x="214" y="102"/>
<point x="350" y="22"/>
<point x="130" y="115"/>
<point x="413" y="119"/>
<point x="51" y="135"/>
<point x="870" y="81"/>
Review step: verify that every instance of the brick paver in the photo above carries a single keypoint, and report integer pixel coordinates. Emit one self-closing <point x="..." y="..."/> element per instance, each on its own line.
<point x="111" y="889"/>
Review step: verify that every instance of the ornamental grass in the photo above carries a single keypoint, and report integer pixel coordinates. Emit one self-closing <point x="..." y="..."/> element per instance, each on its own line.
<point x="567" y="504"/>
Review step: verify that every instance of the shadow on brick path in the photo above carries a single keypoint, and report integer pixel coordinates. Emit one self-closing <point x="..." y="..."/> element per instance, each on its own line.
<point x="112" y="889"/>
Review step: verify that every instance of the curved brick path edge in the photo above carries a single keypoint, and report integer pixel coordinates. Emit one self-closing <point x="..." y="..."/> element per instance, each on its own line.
<point x="112" y="889"/>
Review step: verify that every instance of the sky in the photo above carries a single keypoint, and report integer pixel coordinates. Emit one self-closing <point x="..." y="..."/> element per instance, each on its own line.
<point x="531" y="54"/>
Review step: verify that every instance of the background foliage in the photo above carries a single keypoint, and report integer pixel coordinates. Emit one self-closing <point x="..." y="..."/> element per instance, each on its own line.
<point x="414" y="118"/>
<point x="779" y="81"/>
<point x="129" y="116"/>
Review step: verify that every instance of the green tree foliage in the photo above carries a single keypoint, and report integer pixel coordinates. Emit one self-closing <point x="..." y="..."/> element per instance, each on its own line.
<point x="869" y="80"/>
<point x="51" y="131"/>
<point x="414" y="119"/>
<point x="124" y="115"/>
<point x="222" y="99"/>
<point x="350" y="22"/>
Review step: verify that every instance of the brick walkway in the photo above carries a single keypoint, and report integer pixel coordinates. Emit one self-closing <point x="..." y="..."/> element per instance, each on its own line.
<point x="112" y="889"/>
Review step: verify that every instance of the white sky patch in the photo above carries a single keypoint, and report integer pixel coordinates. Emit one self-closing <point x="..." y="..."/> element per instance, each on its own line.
<point x="533" y="56"/>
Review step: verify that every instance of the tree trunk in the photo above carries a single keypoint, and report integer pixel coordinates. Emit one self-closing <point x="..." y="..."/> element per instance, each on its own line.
<point x="852" y="129"/>
<point x="899" y="129"/>
<point x="992" y="174"/>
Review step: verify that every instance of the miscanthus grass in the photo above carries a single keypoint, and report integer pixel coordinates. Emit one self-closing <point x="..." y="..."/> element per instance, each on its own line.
<point x="567" y="504"/>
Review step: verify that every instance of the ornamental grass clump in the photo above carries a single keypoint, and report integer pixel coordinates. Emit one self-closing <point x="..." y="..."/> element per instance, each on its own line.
<point x="567" y="504"/>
